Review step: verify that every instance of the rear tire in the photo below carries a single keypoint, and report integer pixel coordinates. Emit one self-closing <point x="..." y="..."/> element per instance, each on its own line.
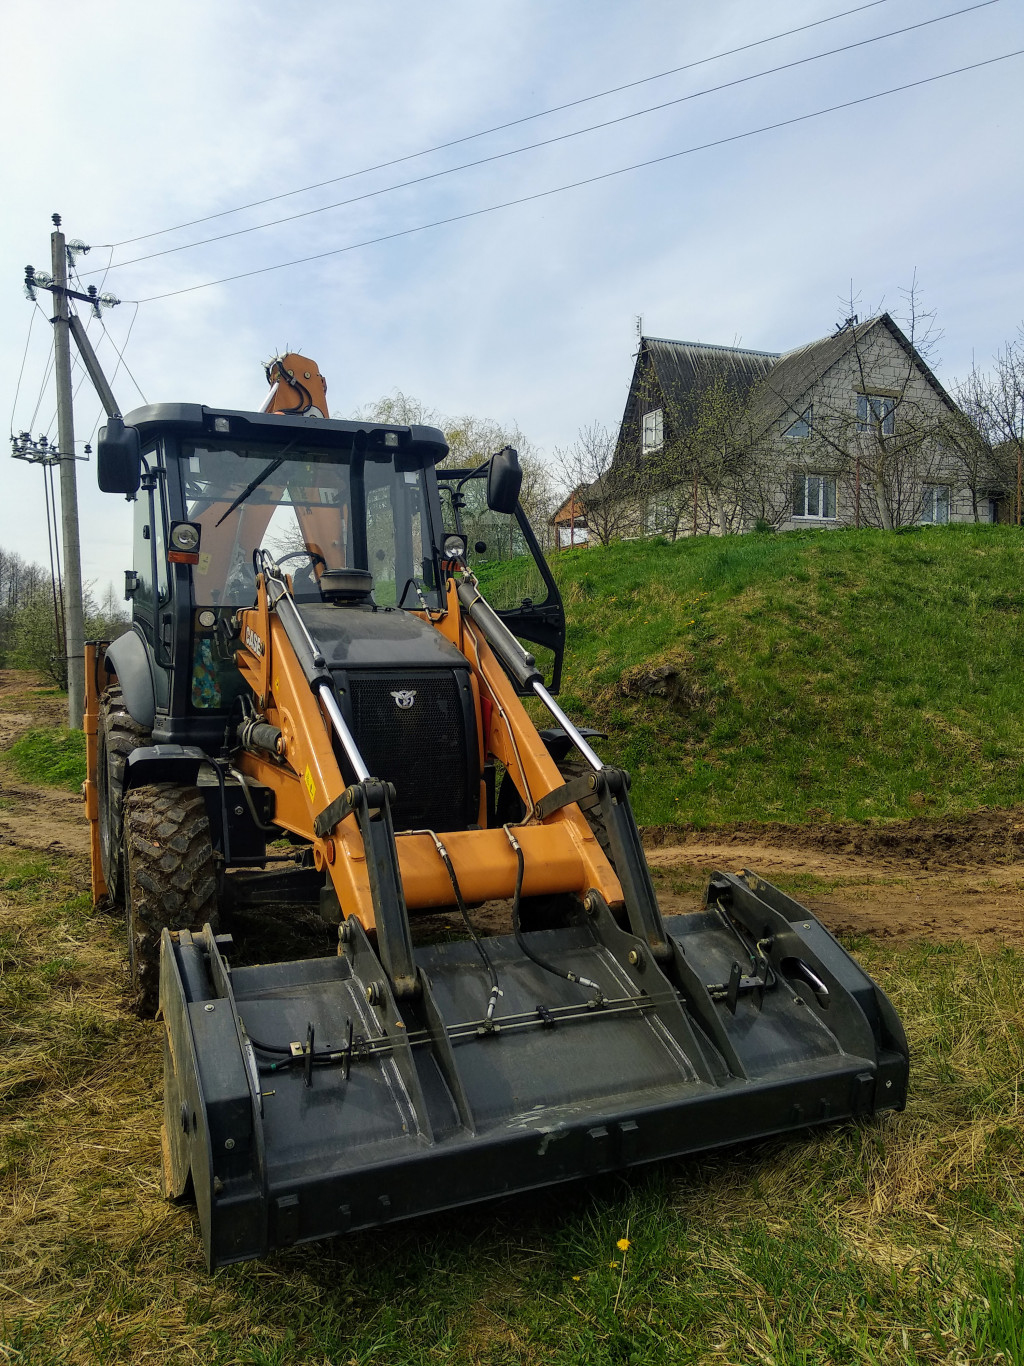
<point x="171" y="879"/>
<point x="118" y="735"/>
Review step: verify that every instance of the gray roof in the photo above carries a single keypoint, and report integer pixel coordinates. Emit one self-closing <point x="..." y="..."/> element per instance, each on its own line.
<point x="779" y="385"/>
<point x="797" y="371"/>
<point x="682" y="367"/>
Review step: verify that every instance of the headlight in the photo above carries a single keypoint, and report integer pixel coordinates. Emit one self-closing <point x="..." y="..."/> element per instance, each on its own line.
<point x="184" y="536"/>
<point x="184" y="543"/>
<point x="453" y="547"/>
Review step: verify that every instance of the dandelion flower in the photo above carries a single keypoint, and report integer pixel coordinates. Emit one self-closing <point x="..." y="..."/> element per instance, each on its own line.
<point x="576" y="1278"/>
<point x="622" y="1244"/>
<point x="613" y="1265"/>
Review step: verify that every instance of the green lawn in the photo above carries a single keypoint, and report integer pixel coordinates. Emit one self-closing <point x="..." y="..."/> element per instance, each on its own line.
<point x="846" y="675"/>
<point x="52" y="757"/>
<point x="808" y="676"/>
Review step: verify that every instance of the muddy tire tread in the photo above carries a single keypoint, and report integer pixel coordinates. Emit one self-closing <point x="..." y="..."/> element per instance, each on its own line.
<point x="171" y="878"/>
<point x="122" y="734"/>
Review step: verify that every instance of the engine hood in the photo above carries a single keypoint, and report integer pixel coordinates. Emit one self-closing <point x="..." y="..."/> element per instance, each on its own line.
<point x="358" y="637"/>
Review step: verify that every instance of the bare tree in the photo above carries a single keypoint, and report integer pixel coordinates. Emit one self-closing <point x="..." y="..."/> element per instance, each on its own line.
<point x="31" y="629"/>
<point x="472" y="440"/>
<point x="398" y="409"/>
<point x="896" y="446"/>
<point x="717" y="472"/>
<point x="1006" y="412"/>
<point x="967" y="436"/>
<point x="887" y="446"/>
<point x="21" y="583"/>
<point x="607" y="498"/>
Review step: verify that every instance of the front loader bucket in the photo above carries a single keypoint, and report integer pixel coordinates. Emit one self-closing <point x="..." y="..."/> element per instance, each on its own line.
<point x="305" y="1101"/>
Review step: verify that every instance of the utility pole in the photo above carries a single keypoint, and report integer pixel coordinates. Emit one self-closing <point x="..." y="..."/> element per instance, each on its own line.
<point x="65" y="325"/>
<point x="75" y="618"/>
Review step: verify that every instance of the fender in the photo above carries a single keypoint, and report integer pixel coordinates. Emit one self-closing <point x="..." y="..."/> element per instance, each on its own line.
<point x="164" y="764"/>
<point x="130" y="659"/>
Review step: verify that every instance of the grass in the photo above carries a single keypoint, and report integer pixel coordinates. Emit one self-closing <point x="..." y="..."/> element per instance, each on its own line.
<point x="809" y="676"/>
<point x="895" y="1242"/>
<point x="52" y="757"/>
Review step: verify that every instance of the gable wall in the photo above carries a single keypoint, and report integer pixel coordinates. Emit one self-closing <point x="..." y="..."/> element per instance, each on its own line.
<point x="878" y="364"/>
<point x="644" y="395"/>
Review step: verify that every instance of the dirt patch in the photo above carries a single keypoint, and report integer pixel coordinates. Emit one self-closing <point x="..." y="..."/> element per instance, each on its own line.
<point x="13" y="724"/>
<point x="28" y="699"/>
<point x="888" y="898"/>
<point x="42" y="818"/>
<point x="980" y="837"/>
<point x="940" y="880"/>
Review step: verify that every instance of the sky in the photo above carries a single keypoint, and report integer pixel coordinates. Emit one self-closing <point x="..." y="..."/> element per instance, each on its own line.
<point x="138" y="118"/>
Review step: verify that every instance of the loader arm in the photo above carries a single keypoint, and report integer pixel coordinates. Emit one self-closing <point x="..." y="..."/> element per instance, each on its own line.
<point x="561" y="852"/>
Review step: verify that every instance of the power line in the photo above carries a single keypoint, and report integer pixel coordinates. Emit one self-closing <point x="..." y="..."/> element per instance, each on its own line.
<point x="24" y="358"/>
<point x="548" y="142"/>
<point x="120" y="353"/>
<point x="589" y="180"/>
<point x="46" y="377"/>
<point x="501" y="127"/>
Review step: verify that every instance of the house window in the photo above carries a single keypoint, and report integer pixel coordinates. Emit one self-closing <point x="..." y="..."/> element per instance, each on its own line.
<point x="802" y="426"/>
<point x="653" y="431"/>
<point x="935" y="504"/>
<point x="876" y="413"/>
<point x="814" y="495"/>
<point x="658" y="517"/>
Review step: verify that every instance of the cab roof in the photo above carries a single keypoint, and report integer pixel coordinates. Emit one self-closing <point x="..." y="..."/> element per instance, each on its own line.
<point x="196" y="421"/>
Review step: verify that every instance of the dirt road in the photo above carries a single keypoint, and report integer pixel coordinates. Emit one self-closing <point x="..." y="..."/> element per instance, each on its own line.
<point x="897" y="898"/>
<point x="937" y="880"/>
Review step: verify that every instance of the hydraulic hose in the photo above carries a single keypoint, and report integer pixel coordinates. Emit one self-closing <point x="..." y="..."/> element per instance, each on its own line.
<point x="521" y="938"/>
<point x="485" y="957"/>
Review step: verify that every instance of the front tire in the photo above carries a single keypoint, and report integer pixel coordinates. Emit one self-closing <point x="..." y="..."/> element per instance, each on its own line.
<point x="119" y="734"/>
<point x="171" y="879"/>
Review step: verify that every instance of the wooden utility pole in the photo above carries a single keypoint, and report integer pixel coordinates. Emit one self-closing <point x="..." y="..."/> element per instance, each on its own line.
<point x="74" y="644"/>
<point x="66" y="326"/>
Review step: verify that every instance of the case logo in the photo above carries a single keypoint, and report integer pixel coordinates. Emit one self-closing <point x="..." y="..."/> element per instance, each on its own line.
<point x="253" y="642"/>
<point x="404" y="698"/>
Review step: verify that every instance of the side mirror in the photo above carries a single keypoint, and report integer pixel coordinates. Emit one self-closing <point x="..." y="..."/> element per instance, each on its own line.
<point x="118" y="458"/>
<point x="504" y="480"/>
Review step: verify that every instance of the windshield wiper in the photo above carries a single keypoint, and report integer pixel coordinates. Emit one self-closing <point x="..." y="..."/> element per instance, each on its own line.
<point x="254" y="484"/>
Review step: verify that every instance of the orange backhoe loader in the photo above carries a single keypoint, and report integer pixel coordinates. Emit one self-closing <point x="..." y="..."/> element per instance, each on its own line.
<point x="317" y="707"/>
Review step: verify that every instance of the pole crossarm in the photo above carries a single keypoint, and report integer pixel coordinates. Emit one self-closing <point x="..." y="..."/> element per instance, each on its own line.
<point x="37" y="279"/>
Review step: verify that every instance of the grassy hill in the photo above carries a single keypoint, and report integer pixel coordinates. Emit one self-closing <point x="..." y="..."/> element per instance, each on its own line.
<point x="802" y="677"/>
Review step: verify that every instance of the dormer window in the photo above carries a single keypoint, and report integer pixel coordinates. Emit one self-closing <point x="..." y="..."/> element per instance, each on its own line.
<point x="652" y="431"/>
<point x="801" y="427"/>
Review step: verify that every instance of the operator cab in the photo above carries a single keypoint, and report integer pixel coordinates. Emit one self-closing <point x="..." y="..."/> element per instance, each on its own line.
<point x="351" y="511"/>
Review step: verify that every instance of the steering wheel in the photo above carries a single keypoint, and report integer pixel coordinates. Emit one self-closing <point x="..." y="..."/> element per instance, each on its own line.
<point x="312" y="555"/>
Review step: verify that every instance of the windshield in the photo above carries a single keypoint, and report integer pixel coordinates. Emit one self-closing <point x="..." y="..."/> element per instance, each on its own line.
<point x="311" y="509"/>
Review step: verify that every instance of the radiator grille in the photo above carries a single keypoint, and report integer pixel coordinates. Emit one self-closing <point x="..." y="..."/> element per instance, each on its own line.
<point x="422" y="748"/>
